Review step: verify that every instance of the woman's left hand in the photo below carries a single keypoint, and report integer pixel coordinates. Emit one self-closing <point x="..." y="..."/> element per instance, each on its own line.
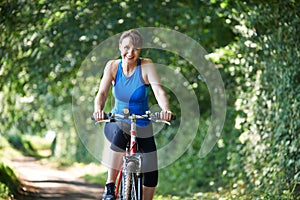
<point x="166" y="115"/>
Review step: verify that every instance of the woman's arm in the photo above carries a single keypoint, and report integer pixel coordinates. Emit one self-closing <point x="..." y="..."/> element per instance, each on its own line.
<point x="103" y="90"/>
<point x="151" y="77"/>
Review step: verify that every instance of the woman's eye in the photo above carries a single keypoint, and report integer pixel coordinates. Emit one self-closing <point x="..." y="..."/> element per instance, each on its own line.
<point x="126" y="48"/>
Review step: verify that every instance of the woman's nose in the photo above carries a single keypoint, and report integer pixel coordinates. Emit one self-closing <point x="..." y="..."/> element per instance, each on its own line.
<point x="131" y="50"/>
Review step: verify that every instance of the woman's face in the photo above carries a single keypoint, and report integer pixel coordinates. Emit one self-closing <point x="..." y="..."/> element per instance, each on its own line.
<point x="129" y="52"/>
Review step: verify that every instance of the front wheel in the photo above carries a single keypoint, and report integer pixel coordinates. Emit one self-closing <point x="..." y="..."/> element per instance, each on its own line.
<point x="128" y="186"/>
<point x="132" y="184"/>
<point x="134" y="188"/>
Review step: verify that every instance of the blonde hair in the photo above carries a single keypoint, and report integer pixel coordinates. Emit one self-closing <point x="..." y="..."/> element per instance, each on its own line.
<point x="135" y="37"/>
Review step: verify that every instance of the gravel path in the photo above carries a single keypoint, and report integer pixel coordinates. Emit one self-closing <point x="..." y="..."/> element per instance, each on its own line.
<point x="42" y="182"/>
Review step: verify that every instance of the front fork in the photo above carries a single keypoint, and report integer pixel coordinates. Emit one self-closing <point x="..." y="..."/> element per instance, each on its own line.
<point x="132" y="164"/>
<point x="133" y="167"/>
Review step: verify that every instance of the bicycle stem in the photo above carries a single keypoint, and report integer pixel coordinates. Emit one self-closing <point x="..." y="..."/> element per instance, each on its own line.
<point x="133" y="141"/>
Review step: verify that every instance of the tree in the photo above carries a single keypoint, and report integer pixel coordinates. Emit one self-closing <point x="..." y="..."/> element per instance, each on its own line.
<point x="266" y="73"/>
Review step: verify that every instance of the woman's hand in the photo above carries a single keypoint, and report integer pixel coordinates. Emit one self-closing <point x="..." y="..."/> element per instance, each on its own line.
<point x="99" y="115"/>
<point x="166" y="115"/>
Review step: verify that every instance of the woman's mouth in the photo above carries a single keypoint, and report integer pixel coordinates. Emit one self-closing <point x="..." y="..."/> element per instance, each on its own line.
<point x="129" y="57"/>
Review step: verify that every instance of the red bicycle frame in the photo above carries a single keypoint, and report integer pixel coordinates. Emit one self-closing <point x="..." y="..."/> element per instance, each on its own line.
<point x="133" y="136"/>
<point x="131" y="151"/>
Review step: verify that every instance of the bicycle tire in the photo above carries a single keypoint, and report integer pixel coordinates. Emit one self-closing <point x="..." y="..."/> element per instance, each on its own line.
<point x="120" y="194"/>
<point x="134" y="184"/>
<point x="134" y="190"/>
<point x="128" y="181"/>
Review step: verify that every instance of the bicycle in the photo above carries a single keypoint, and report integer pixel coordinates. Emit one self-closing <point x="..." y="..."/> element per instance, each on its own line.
<point x="130" y="179"/>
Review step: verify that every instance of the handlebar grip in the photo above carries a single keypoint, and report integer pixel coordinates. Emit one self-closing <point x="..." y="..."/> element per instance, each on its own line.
<point x="92" y="117"/>
<point x="106" y="116"/>
<point x="157" y="116"/>
<point x="173" y="117"/>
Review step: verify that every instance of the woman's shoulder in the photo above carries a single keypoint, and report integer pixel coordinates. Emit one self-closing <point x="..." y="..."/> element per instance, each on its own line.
<point x="112" y="67"/>
<point x="146" y="61"/>
<point x="113" y="63"/>
<point x="147" y="68"/>
<point x="147" y="64"/>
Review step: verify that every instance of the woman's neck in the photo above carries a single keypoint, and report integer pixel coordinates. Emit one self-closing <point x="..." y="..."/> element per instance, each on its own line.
<point x="128" y="68"/>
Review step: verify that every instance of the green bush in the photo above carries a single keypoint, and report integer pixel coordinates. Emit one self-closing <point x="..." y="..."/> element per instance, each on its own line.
<point x="9" y="183"/>
<point x="22" y="144"/>
<point x="4" y="191"/>
<point x="266" y="72"/>
<point x="190" y="173"/>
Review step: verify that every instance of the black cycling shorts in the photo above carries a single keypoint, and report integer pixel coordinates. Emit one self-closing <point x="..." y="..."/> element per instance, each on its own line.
<point x="118" y="134"/>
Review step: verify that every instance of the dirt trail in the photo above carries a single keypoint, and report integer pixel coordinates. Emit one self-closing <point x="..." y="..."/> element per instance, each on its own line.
<point x="41" y="182"/>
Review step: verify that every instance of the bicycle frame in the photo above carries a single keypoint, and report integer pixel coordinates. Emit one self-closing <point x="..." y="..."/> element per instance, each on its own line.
<point x="133" y="141"/>
<point x="132" y="163"/>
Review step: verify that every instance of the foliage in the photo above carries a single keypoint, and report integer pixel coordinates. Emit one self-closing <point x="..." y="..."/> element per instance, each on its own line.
<point x="266" y="72"/>
<point x="9" y="183"/>
<point x="6" y="150"/>
<point x="23" y="145"/>
<point x="44" y="43"/>
<point x="99" y="178"/>
<point x="4" y="192"/>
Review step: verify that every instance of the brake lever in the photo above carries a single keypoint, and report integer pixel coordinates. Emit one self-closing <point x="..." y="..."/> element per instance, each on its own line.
<point x="163" y="121"/>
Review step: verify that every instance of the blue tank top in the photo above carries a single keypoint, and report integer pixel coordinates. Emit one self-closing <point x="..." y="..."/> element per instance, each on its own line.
<point x="131" y="92"/>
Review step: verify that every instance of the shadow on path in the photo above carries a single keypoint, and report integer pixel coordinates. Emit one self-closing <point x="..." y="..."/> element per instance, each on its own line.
<point x="41" y="182"/>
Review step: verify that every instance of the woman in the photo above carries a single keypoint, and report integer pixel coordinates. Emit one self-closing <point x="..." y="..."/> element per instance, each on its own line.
<point x="131" y="78"/>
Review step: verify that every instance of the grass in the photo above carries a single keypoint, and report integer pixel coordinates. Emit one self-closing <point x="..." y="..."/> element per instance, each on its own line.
<point x="9" y="183"/>
<point x="7" y="152"/>
<point x="40" y="145"/>
<point x="34" y="146"/>
<point x="4" y="192"/>
<point x="99" y="178"/>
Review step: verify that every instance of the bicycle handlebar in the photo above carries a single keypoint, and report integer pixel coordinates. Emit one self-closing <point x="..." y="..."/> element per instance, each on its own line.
<point x="154" y="117"/>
